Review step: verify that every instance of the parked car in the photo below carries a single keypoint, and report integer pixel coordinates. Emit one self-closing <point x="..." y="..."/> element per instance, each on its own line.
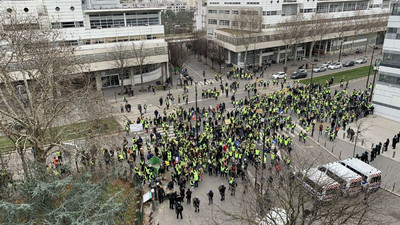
<point x="349" y="63"/>
<point x="279" y="75"/>
<point x="358" y="51"/>
<point x="335" y="66"/>
<point x="361" y="61"/>
<point x="301" y="73"/>
<point x="326" y="64"/>
<point x="319" y="69"/>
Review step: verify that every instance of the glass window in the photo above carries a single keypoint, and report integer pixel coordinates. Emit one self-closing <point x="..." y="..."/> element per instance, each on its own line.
<point x="236" y="12"/>
<point x="212" y="21"/>
<point x="212" y="11"/>
<point x="224" y="22"/>
<point x="392" y="30"/>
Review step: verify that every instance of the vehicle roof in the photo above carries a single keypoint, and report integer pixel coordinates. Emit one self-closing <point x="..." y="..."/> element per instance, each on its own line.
<point x="320" y="177"/>
<point x="341" y="171"/>
<point x="360" y="166"/>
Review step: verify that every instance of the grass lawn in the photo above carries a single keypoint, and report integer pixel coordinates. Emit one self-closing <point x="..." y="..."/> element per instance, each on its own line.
<point x="348" y="75"/>
<point x="72" y="131"/>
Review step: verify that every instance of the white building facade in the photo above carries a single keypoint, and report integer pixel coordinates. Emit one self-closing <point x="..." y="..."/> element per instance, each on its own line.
<point x="386" y="96"/>
<point x="95" y="27"/>
<point x="221" y="16"/>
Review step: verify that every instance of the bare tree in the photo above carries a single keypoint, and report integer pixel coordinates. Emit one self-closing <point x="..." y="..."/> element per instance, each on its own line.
<point x="286" y="201"/>
<point x="358" y="24"/>
<point x="178" y="54"/>
<point x="245" y="28"/>
<point x="286" y="30"/>
<point x="120" y="56"/>
<point x="323" y="30"/>
<point x="339" y="28"/>
<point x="373" y="27"/>
<point x="315" y="30"/>
<point x="218" y="54"/>
<point x="300" y="31"/>
<point x="140" y="57"/>
<point x="39" y="94"/>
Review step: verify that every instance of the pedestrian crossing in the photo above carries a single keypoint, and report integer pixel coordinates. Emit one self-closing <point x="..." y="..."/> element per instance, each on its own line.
<point x="146" y="135"/>
<point x="208" y="82"/>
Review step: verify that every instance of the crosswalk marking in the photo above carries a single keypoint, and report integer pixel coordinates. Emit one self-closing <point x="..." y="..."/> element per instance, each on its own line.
<point x="208" y="81"/>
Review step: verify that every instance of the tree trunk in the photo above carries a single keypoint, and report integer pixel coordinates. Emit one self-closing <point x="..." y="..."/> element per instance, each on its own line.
<point x="245" y="59"/>
<point x="320" y="42"/>
<point x="351" y="46"/>
<point x="21" y="154"/>
<point x="286" y="54"/>
<point x="39" y="154"/>
<point x="311" y="50"/>
<point x="295" y="54"/>
<point x="141" y="77"/>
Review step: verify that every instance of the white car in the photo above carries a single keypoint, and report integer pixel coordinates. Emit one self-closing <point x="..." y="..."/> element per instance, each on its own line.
<point x="361" y="60"/>
<point x="319" y="69"/>
<point x="335" y="66"/>
<point x="279" y="75"/>
<point x="326" y="64"/>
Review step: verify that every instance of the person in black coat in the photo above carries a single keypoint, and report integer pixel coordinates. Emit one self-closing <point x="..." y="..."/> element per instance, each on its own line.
<point x="188" y="196"/>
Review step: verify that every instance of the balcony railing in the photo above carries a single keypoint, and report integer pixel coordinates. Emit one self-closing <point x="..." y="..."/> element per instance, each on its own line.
<point x="289" y="1"/>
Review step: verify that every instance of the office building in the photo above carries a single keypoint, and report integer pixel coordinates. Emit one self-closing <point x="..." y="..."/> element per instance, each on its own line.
<point x="348" y="25"/>
<point x="386" y="96"/>
<point x="95" y="27"/>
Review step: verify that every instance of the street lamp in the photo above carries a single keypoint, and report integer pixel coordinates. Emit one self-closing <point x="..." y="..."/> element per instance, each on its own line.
<point x="195" y="111"/>
<point x="312" y="68"/>
<point x="373" y="82"/>
<point x="370" y="65"/>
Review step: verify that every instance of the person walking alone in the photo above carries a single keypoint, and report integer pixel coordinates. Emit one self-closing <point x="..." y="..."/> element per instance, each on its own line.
<point x="196" y="204"/>
<point x="179" y="209"/>
<point x="210" y="195"/>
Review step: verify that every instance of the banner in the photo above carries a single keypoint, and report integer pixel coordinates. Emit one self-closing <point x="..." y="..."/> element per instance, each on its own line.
<point x="228" y="121"/>
<point x="135" y="127"/>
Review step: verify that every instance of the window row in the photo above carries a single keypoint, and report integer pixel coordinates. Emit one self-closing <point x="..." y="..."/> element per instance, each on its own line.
<point x="212" y="11"/>
<point x="389" y="79"/>
<point x="341" y="7"/>
<point x="73" y="24"/>
<point x="271" y="13"/>
<point x="307" y="10"/>
<point x="119" y="20"/>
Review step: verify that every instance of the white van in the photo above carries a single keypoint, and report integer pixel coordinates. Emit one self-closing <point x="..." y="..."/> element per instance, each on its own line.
<point x="371" y="177"/>
<point x="349" y="181"/>
<point x="320" y="185"/>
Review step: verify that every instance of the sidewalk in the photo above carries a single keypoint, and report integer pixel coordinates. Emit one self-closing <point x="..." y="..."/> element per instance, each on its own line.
<point x="375" y="129"/>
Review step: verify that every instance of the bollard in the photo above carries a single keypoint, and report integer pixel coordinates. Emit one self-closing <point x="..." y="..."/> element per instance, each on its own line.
<point x="340" y="155"/>
<point x="332" y="148"/>
<point x="394" y="154"/>
<point x="362" y="142"/>
<point x="372" y="145"/>
<point x="318" y="138"/>
<point x="344" y="135"/>
<point x="394" y="185"/>
<point x="325" y="144"/>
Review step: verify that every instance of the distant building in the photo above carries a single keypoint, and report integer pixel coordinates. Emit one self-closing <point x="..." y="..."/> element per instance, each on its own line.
<point x="224" y="15"/>
<point x="95" y="27"/>
<point x="200" y="15"/>
<point x="386" y="96"/>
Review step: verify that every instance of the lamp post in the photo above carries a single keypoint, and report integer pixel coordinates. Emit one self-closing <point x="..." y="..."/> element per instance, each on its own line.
<point x="373" y="82"/>
<point x="370" y="65"/>
<point x="195" y="111"/>
<point x="262" y="162"/>
<point x="312" y="69"/>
